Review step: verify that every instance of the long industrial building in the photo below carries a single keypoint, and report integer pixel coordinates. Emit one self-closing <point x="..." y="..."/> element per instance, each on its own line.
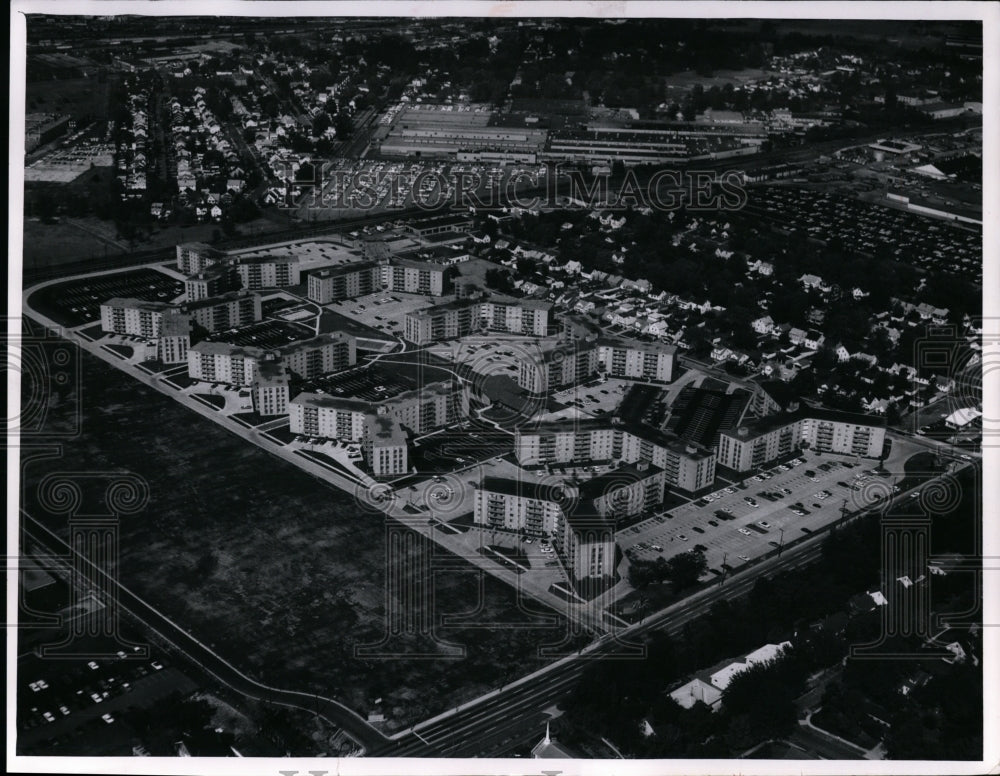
<point x="443" y="133"/>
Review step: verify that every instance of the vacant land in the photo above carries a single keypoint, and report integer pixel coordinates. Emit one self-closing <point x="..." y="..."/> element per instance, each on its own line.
<point x="283" y="574"/>
<point x="76" y="97"/>
<point x="49" y="245"/>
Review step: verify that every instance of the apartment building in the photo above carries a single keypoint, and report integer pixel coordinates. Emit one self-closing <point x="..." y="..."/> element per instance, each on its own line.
<point x="557" y="365"/>
<point x="416" y="277"/>
<point x="625" y="491"/>
<point x="756" y="444"/>
<point x="348" y="281"/>
<point x="686" y="466"/>
<point x="194" y="257"/>
<point x="384" y="445"/>
<point x="432" y="406"/>
<point x="635" y="360"/>
<point x="328" y="417"/>
<point x="258" y="272"/>
<point x="269" y="388"/>
<point x="212" y="281"/>
<point x="441" y="322"/>
<point x="583" y="537"/>
<point x="467" y="315"/>
<point x="174" y="337"/>
<point x="237" y="365"/>
<point x="134" y="317"/>
<point x="231" y="310"/>
<point x="587" y="544"/>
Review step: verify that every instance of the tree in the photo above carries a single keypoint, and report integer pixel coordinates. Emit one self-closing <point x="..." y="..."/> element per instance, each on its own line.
<point x="765" y="694"/>
<point x="343" y="125"/>
<point x="685" y="569"/>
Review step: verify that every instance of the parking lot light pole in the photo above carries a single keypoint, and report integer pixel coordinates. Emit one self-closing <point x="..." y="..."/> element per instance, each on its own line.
<point x="725" y="557"/>
<point x="781" y="540"/>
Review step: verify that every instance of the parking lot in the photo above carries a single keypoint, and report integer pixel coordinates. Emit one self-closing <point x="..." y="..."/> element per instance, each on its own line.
<point x="384" y="311"/>
<point x="495" y="354"/>
<point x="264" y="334"/>
<point x="450" y="450"/>
<point x="329" y="252"/>
<point x="379" y="381"/>
<point x="58" y="698"/>
<point x="77" y="302"/>
<point x="593" y="399"/>
<point x="740" y="523"/>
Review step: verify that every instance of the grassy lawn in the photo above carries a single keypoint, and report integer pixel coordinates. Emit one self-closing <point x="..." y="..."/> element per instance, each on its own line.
<point x="285" y="575"/>
<point x="122" y="350"/>
<point x="212" y="399"/>
<point x="181" y="381"/>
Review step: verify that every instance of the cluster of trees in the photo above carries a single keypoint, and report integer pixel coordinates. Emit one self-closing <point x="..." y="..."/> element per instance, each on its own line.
<point x="682" y="570"/>
<point x="614" y="697"/>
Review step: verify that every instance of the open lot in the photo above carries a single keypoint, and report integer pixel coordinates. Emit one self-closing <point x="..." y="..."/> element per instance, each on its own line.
<point x="284" y="575"/>
<point x="488" y="355"/>
<point x="77" y="302"/>
<point x="49" y="245"/>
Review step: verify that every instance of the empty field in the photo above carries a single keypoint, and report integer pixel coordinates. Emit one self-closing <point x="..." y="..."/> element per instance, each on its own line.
<point x="285" y="575"/>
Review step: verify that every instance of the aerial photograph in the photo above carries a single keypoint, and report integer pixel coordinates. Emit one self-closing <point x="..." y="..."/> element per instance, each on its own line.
<point x="494" y="388"/>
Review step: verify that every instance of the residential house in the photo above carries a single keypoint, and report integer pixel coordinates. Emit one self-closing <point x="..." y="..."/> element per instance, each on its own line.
<point x="763" y="325"/>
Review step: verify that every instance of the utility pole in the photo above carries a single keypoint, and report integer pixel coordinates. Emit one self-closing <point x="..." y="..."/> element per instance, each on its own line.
<point x="725" y="557"/>
<point x="781" y="540"/>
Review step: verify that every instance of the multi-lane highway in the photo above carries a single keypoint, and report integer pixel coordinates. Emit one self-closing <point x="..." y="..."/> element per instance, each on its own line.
<point x="495" y="726"/>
